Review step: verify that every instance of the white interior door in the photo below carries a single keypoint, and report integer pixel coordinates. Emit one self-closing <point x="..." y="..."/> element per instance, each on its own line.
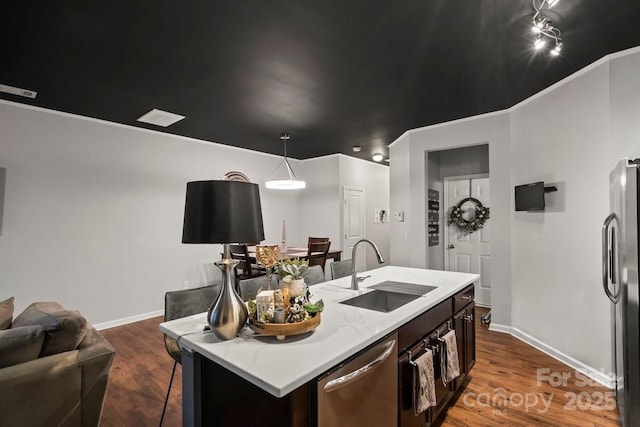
<point x="470" y="253"/>
<point x="353" y="224"/>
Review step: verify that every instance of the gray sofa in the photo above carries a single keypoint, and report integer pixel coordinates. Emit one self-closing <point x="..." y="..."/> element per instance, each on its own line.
<point x="54" y="367"/>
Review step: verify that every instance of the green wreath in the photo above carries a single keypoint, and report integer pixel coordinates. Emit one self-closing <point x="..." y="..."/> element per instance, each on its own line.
<point x="482" y="214"/>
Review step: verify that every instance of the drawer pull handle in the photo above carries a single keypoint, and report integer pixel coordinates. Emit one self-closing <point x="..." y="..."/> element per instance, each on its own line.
<point x="468" y="318"/>
<point x="355" y="375"/>
<point x="467" y="297"/>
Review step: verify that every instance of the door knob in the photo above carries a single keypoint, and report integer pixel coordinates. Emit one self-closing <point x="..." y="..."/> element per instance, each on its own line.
<point x="452" y="246"/>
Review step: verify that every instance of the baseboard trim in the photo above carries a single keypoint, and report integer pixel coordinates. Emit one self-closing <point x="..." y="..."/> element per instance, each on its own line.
<point x="597" y="376"/>
<point x="127" y="320"/>
<point x="496" y="327"/>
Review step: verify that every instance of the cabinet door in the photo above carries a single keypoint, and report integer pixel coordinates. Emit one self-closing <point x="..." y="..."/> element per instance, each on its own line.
<point x="465" y="327"/>
<point x="470" y="336"/>
<point x="406" y="414"/>
<point x="459" y="325"/>
<point x="444" y="391"/>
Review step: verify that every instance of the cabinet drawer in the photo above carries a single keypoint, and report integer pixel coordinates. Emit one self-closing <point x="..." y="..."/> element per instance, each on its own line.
<point x="423" y="324"/>
<point x="462" y="298"/>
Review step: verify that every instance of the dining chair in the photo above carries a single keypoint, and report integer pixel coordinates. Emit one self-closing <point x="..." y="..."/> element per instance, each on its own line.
<point x="183" y="303"/>
<point x="314" y="275"/>
<point x="317" y="240"/>
<point x="317" y="253"/>
<point x="245" y="269"/>
<point x="340" y="269"/>
<point x="249" y="287"/>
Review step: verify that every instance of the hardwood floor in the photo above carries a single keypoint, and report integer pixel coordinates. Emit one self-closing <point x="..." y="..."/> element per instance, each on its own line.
<point x="503" y="389"/>
<point x="140" y="377"/>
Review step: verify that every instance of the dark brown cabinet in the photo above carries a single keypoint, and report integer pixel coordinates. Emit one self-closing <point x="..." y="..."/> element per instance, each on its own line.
<point x="465" y="328"/>
<point x="226" y="394"/>
<point x="456" y="313"/>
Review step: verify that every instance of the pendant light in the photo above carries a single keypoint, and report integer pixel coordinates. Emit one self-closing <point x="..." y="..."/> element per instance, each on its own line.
<point x="290" y="182"/>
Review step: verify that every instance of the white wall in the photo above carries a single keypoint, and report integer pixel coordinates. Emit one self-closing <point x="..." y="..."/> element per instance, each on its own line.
<point x="548" y="291"/>
<point x="93" y="211"/>
<point x="400" y="199"/>
<point x="561" y="137"/>
<point x="464" y="161"/>
<point x="320" y="201"/>
<point x="373" y="178"/>
<point x="409" y="173"/>
<point x="624" y="106"/>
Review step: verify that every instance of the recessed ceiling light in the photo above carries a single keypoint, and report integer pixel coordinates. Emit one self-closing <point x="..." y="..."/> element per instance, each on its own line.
<point x="357" y="148"/>
<point x="17" y="91"/>
<point x="377" y="157"/>
<point x="160" y="118"/>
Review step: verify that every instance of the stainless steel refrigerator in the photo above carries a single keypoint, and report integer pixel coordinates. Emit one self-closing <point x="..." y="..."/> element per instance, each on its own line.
<point x="620" y="282"/>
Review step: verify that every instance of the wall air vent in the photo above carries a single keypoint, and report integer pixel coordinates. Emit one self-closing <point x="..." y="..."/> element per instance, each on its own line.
<point x="17" y="91"/>
<point x="160" y="118"/>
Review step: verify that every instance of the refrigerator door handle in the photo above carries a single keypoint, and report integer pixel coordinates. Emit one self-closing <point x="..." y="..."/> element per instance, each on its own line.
<point x="606" y="256"/>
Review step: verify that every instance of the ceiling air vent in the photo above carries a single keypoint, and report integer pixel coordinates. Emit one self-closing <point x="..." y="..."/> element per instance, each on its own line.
<point x="160" y="118"/>
<point x="17" y="91"/>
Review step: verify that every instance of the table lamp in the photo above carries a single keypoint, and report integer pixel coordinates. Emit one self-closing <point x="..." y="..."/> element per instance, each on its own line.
<point x="223" y="212"/>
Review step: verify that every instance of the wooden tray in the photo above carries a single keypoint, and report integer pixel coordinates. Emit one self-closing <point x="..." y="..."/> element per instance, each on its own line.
<point x="282" y="330"/>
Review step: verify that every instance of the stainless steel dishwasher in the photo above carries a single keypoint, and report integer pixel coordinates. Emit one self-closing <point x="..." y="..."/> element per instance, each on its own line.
<point x="363" y="391"/>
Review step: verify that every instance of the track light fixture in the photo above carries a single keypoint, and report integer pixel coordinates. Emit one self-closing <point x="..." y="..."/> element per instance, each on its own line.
<point x="543" y="28"/>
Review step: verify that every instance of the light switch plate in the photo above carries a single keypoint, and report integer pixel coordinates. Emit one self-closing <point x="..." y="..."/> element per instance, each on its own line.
<point x="398" y="216"/>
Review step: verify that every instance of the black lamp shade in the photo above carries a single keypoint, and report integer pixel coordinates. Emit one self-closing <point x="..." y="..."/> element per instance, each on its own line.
<point x="222" y="212"/>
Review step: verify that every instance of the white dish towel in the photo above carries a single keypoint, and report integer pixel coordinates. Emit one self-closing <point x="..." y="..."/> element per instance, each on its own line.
<point x="452" y="366"/>
<point x="424" y="384"/>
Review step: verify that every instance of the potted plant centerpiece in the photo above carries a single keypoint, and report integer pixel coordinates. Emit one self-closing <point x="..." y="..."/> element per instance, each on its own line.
<point x="291" y="272"/>
<point x="285" y="311"/>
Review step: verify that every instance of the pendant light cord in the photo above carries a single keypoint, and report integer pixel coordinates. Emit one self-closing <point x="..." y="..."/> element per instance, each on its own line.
<point x="292" y="176"/>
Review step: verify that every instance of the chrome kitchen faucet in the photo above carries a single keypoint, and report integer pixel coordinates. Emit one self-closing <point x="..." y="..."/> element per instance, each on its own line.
<point x="354" y="279"/>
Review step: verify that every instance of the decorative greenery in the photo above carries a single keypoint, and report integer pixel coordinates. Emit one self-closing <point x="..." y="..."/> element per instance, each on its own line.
<point x="292" y="269"/>
<point x="482" y="214"/>
<point x="313" y="308"/>
<point x="297" y="309"/>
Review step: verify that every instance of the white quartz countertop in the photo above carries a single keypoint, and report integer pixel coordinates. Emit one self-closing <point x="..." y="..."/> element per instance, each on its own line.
<point x="280" y="367"/>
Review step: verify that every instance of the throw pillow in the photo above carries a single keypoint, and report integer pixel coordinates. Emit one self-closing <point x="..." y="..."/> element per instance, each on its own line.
<point x="64" y="329"/>
<point x="19" y="345"/>
<point x="6" y="313"/>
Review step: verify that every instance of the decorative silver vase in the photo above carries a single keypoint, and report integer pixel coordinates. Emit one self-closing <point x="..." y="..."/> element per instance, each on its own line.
<point x="228" y="313"/>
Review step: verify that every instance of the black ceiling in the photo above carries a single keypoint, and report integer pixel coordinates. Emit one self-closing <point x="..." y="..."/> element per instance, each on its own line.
<point x="332" y="73"/>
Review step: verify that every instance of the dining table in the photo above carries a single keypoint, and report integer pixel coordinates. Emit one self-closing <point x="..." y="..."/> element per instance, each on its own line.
<point x="298" y="252"/>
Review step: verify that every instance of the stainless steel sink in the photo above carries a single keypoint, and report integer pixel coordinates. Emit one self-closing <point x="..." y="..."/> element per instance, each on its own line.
<point x="380" y="300"/>
<point x="403" y="287"/>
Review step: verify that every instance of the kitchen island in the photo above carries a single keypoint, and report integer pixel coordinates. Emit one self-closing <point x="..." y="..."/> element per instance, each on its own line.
<point x="253" y="378"/>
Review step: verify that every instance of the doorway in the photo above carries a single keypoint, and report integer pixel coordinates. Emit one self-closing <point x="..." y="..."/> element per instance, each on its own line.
<point x="353" y="222"/>
<point x="469" y="252"/>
